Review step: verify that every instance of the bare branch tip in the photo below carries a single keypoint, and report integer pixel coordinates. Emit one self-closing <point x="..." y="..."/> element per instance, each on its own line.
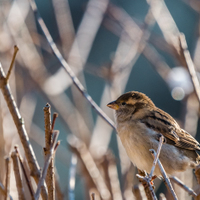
<point x="16" y="48"/>
<point x="55" y="114"/>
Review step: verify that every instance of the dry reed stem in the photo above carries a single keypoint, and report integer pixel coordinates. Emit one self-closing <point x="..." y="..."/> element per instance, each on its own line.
<point x="165" y="177"/>
<point x="18" y="177"/>
<point x="7" y="181"/>
<point x="50" y="180"/>
<point x="30" y="156"/>
<point x="67" y="68"/>
<point x="46" y="164"/>
<point x="182" y="185"/>
<point x="26" y="175"/>
<point x="138" y="191"/>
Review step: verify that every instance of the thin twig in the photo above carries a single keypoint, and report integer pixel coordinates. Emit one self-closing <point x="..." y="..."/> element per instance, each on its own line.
<point x="146" y="180"/>
<point x="166" y="179"/>
<point x="67" y="68"/>
<point x="12" y="62"/>
<point x="185" y="54"/>
<point x="48" y="140"/>
<point x="46" y="164"/>
<point x="7" y="182"/>
<point x="18" y="178"/>
<point x="27" y="177"/>
<point x="182" y="185"/>
<point x="30" y="156"/>
<point x="55" y="115"/>
<point x="72" y="177"/>
<point x="157" y="156"/>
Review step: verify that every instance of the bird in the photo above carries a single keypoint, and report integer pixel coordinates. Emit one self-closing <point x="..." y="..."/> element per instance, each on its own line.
<point x="140" y="124"/>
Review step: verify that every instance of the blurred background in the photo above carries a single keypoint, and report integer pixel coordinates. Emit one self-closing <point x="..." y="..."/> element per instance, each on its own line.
<point x="113" y="47"/>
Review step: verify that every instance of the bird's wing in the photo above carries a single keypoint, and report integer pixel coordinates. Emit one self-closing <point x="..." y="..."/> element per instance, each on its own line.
<point x="186" y="141"/>
<point x="166" y="125"/>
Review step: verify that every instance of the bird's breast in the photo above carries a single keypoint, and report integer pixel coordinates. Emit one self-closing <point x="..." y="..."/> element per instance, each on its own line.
<point x="137" y="140"/>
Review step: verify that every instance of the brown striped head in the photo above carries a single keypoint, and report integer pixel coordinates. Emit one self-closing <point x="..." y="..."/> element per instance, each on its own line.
<point x="130" y="103"/>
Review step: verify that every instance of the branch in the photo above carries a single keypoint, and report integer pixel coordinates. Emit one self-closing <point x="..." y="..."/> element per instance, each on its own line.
<point x="27" y="177"/>
<point x="148" y="187"/>
<point x="7" y="184"/>
<point x="67" y="68"/>
<point x="166" y="179"/>
<point x="145" y="179"/>
<point x="46" y="164"/>
<point x="18" y="178"/>
<point x="50" y="180"/>
<point x="30" y="156"/>
<point x="12" y="62"/>
<point x="157" y="156"/>
<point x="185" y="55"/>
<point x="182" y="185"/>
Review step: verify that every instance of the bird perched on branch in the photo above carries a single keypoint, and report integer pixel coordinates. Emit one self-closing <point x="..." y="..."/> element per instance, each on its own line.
<point x="139" y="125"/>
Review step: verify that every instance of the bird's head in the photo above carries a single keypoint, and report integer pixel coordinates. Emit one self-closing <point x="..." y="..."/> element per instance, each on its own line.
<point x="130" y="103"/>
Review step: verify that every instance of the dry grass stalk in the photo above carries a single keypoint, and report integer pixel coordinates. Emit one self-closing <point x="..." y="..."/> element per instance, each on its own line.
<point x="7" y="181"/>
<point x="18" y="177"/>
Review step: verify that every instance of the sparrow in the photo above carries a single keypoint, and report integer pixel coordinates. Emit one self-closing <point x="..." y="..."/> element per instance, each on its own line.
<point x="140" y="124"/>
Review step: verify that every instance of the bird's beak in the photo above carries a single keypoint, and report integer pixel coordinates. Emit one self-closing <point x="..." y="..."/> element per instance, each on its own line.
<point x="113" y="105"/>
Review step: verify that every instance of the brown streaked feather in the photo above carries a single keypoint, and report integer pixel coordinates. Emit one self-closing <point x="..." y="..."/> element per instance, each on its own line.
<point x="170" y="129"/>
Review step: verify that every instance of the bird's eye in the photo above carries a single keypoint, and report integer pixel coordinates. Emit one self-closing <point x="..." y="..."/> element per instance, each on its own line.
<point x="123" y="103"/>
